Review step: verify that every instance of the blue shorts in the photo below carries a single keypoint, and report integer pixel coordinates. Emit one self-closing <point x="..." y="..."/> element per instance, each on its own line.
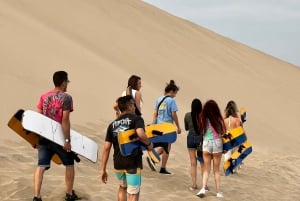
<point x="47" y="149"/>
<point x="193" y="141"/>
<point x="213" y="146"/>
<point x="131" y="179"/>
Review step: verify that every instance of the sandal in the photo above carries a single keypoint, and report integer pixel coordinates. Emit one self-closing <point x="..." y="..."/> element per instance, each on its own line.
<point x="192" y="188"/>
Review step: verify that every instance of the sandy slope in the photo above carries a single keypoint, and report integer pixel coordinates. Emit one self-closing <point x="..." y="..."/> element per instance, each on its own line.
<point x="101" y="43"/>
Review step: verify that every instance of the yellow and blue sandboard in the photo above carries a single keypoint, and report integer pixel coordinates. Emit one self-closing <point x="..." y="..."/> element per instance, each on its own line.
<point x="233" y="138"/>
<point x="243" y="114"/>
<point x="162" y="132"/>
<point x="237" y="157"/>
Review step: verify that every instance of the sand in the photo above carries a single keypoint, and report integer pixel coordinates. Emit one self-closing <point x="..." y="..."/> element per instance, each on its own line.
<point x="100" y="44"/>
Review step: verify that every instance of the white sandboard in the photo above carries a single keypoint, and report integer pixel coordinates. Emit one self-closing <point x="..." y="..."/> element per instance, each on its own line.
<point x="52" y="130"/>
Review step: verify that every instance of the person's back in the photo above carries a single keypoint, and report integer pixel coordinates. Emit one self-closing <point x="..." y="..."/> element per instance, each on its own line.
<point x="194" y="139"/>
<point x="232" y="120"/>
<point x="133" y="89"/>
<point x="53" y="103"/>
<point x="212" y="126"/>
<point x="127" y="168"/>
<point x="57" y="105"/>
<point x="165" y="110"/>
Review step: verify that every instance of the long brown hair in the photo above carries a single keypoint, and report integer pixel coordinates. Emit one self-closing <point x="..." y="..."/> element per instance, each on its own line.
<point x="211" y="113"/>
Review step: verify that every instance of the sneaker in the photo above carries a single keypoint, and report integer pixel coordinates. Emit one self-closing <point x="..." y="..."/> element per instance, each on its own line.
<point x="72" y="197"/>
<point x="201" y="193"/>
<point x="220" y="195"/>
<point x="151" y="164"/>
<point x="36" y="199"/>
<point x="164" y="171"/>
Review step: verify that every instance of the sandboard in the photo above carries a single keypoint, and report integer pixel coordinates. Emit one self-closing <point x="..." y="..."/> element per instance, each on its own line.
<point x="154" y="156"/>
<point x="162" y="132"/>
<point x="237" y="157"/>
<point x="243" y="114"/>
<point x="233" y="138"/>
<point x="199" y="156"/>
<point x="15" y="124"/>
<point x="50" y="129"/>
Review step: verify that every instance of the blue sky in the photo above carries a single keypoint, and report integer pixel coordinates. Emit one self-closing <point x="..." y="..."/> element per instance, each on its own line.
<point x="271" y="26"/>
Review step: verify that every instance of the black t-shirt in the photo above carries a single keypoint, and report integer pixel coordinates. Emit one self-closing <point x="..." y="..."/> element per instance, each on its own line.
<point x="124" y="122"/>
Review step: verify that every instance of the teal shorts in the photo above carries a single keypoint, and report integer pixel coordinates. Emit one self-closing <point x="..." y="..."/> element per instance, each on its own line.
<point x="130" y="179"/>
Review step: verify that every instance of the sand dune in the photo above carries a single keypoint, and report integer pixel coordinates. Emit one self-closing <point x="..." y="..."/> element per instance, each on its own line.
<point x="100" y="44"/>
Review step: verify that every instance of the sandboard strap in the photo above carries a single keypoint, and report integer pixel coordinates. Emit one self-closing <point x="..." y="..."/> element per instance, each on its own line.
<point x="227" y="136"/>
<point x="231" y="161"/>
<point x="240" y="149"/>
<point x="133" y="136"/>
<point x="154" y="132"/>
<point x="157" y="132"/>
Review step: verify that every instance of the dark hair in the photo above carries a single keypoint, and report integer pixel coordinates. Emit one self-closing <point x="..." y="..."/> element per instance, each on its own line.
<point x="196" y="108"/>
<point x="124" y="102"/>
<point x="133" y="81"/>
<point x="231" y="109"/>
<point x="211" y="113"/>
<point x="59" y="77"/>
<point x="171" y="87"/>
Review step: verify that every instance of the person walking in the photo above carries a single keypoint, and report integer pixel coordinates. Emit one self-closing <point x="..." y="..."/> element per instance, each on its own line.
<point x="213" y="127"/>
<point x="165" y="110"/>
<point x="232" y="119"/>
<point x="133" y="88"/>
<point x="127" y="168"/>
<point x="194" y="138"/>
<point x="57" y="105"/>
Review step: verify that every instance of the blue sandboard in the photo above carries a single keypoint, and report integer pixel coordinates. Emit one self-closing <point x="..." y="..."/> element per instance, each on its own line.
<point x="237" y="157"/>
<point x="233" y="138"/>
<point x="162" y="132"/>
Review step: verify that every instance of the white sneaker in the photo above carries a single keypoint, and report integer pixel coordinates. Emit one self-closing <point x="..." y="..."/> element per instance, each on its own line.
<point x="220" y="195"/>
<point x="201" y="193"/>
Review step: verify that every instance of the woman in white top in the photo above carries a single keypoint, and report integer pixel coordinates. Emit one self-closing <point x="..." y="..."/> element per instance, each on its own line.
<point x="133" y="89"/>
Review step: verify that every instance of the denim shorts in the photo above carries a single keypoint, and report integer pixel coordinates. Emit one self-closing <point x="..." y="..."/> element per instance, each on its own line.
<point x="213" y="146"/>
<point x="47" y="149"/>
<point x="131" y="179"/>
<point x="192" y="141"/>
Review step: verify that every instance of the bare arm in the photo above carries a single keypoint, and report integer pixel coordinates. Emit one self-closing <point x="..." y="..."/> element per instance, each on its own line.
<point x="144" y="139"/>
<point x="105" y="156"/>
<point x="155" y="114"/>
<point x="66" y="126"/>
<point x="175" y="119"/>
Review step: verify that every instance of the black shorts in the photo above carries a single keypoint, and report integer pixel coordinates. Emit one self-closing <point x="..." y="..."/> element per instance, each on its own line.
<point x="193" y="141"/>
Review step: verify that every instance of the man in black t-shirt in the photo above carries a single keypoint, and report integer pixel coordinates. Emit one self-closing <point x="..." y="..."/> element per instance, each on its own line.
<point x="127" y="168"/>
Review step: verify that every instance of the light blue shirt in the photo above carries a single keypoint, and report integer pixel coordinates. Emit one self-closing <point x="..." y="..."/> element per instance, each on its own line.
<point x="165" y="109"/>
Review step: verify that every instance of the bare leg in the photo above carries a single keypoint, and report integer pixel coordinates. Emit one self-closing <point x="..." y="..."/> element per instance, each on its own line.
<point x="207" y="166"/>
<point x="69" y="179"/>
<point x="202" y="172"/>
<point x="216" y="169"/>
<point x="193" y="170"/>
<point x="122" y="194"/>
<point x="133" y="197"/>
<point x="165" y="156"/>
<point x="38" y="179"/>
